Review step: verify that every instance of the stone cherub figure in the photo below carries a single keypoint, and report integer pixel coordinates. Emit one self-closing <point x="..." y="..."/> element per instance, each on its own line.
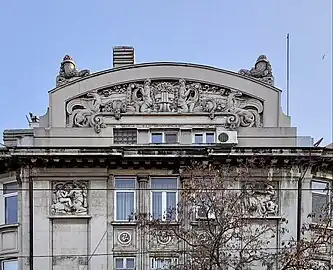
<point x="68" y="71"/>
<point x="262" y="71"/>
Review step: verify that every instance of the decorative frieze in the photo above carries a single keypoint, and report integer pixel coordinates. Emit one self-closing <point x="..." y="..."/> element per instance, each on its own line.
<point x="124" y="238"/>
<point x="164" y="96"/>
<point x="69" y="198"/>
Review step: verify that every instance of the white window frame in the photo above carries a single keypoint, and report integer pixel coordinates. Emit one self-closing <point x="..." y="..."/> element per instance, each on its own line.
<point x="117" y="190"/>
<point x="211" y="214"/>
<point x="164" y="197"/>
<point x="153" y="261"/>
<point x="124" y="262"/>
<point x="163" y="132"/>
<point x="4" y="196"/>
<point x="9" y="260"/>
<point x="204" y="136"/>
<point x="317" y="191"/>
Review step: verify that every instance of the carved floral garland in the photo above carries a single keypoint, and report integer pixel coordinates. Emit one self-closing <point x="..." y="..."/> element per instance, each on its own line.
<point x="167" y="96"/>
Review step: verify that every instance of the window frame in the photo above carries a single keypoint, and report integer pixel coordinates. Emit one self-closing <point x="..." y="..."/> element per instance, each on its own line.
<point x="317" y="191"/>
<point x="118" y="190"/>
<point x="154" y="259"/>
<point x="204" y="136"/>
<point x="124" y="262"/>
<point x="8" y="260"/>
<point x="4" y="196"/>
<point x="164" y="197"/>
<point x="210" y="212"/>
<point x="163" y="132"/>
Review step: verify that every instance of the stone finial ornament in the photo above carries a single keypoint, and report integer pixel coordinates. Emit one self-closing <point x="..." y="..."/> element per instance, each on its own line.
<point x="261" y="71"/>
<point x="68" y="71"/>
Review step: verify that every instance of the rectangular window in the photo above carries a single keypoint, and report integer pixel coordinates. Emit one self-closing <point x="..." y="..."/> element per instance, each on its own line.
<point x="163" y="263"/>
<point x="124" y="198"/>
<point x="9" y="265"/>
<point x="320" y="200"/>
<point x="204" y="204"/>
<point x="204" y="137"/>
<point x="125" y="263"/>
<point x="10" y="200"/>
<point x="164" y="198"/>
<point x="124" y="136"/>
<point x="167" y="137"/>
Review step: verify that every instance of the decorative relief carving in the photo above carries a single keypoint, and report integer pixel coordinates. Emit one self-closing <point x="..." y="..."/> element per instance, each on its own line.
<point x="167" y="96"/>
<point x="260" y="199"/>
<point x="68" y="71"/>
<point x="163" y="237"/>
<point x="261" y="71"/>
<point x="70" y="198"/>
<point x="124" y="238"/>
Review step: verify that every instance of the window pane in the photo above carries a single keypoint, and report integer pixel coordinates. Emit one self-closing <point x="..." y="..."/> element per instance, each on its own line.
<point x="11" y="210"/>
<point x="10" y="265"/>
<point x="130" y="263"/>
<point x="320" y="187"/>
<point x="171" y="205"/>
<point x="319" y="206"/>
<point x="124" y="136"/>
<point x="171" y="138"/>
<point x="157" y="205"/>
<point x="198" y="138"/>
<point x="164" y="183"/>
<point x="125" y="205"/>
<point x="125" y="183"/>
<point x="119" y="263"/>
<point x="156" y="137"/>
<point x="210" y="137"/>
<point x="9" y="188"/>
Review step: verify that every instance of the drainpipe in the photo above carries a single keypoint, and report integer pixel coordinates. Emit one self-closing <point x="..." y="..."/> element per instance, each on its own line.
<point x="31" y="222"/>
<point x="299" y="208"/>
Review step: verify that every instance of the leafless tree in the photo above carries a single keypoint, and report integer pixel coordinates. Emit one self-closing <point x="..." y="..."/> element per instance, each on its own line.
<point x="224" y="219"/>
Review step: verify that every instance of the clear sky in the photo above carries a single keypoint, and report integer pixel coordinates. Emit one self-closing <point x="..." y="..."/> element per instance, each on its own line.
<point x="229" y="34"/>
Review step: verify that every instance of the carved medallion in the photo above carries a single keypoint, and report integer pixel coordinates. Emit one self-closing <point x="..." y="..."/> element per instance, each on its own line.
<point x="124" y="238"/>
<point x="69" y="198"/>
<point x="167" y="96"/>
<point x="163" y="237"/>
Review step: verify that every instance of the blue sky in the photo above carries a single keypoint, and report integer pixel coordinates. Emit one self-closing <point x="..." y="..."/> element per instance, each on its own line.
<point x="228" y="34"/>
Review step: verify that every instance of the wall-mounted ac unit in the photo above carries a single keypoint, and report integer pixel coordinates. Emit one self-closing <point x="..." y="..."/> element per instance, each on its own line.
<point x="227" y="137"/>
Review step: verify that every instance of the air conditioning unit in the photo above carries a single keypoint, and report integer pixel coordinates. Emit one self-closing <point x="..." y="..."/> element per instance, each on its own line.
<point x="227" y="137"/>
<point x="201" y="213"/>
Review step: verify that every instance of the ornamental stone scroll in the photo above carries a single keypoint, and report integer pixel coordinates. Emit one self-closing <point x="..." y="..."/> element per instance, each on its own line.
<point x="173" y="96"/>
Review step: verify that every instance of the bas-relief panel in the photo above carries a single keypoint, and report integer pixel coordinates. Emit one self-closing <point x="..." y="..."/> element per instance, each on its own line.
<point x="124" y="238"/>
<point x="69" y="198"/>
<point x="174" y="96"/>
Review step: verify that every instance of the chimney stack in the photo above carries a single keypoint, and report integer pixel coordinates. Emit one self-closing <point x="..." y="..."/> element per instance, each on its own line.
<point x="123" y="56"/>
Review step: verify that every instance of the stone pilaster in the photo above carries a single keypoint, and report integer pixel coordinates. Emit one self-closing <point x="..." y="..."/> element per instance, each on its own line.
<point x="143" y="210"/>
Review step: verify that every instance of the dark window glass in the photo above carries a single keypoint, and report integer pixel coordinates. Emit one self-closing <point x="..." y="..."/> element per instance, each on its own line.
<point x="210" y="137"/>
<point x="171" y="138"/>
<point x="198" y="138"/>
<point x="320" y="200"/>
<point x="157" y="138"/>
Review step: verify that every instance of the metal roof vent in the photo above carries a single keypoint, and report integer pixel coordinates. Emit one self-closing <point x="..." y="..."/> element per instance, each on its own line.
<point x="123" y="56"/>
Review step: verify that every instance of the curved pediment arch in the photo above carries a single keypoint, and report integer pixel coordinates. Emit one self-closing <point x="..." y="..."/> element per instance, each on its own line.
<point x="165" y="88"/>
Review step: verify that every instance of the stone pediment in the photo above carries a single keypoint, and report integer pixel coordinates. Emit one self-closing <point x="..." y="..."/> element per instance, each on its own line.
<point x="167" y="96"/>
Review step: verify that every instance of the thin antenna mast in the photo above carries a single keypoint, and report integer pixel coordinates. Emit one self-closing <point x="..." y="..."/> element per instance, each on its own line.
<point x="288" y="72"/>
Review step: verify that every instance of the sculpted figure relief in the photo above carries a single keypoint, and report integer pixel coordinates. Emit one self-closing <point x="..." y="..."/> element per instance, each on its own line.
<point x="262" y="71"/>
<point x="164" y="96"/>
<point x="69" y="72"/>
<point x="70" y="198"/>
<point x="260" y="199"/>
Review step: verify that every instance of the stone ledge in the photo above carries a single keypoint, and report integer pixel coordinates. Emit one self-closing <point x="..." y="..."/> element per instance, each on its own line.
<point x="9" y="226"/>
<point x="70" y="217"/>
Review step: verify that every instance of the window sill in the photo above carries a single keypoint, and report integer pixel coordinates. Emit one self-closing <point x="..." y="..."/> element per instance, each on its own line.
<point x="69" y="216"/>
<point x="8" y="226"/>
<point x="128" y="223"/>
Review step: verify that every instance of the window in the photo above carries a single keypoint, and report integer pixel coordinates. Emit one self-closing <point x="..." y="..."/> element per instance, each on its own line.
<point x="163" y="263"/>
<point x="168" y="137"/>
<point x="10" y="200"/>
<point x="164" y="198"/>
<point x="125" y="263"/>
<point x="320" y="200"/>
<point x="124" y="198"/>
<point x="124" y="136"/>
<point x="204" y="137"/>
<point x="9" y="265"/>
<point x="204" y="205"/>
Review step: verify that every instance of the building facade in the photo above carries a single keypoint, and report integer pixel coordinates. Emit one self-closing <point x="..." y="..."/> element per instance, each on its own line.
<point x="113" y="143"/>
